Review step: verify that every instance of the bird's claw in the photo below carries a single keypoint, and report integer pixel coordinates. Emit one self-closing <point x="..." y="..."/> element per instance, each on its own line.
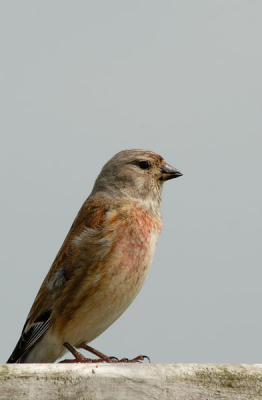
<point x="79" y="358"/>
<point x="136" y="359"/>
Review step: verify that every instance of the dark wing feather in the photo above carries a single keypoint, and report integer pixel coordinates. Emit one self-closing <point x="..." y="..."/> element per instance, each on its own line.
<point x="30" y="337"/>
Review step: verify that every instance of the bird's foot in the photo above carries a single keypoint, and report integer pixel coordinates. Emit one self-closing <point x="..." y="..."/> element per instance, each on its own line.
<point x="79" y="358"/>
<point x="105" y="358"/>
<point x="135" y="360"/>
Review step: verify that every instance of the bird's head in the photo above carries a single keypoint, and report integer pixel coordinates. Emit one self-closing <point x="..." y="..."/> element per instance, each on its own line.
<point x="135" y="174"/>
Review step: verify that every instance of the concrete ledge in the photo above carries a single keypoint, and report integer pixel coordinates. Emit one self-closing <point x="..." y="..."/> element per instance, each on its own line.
<point x="130" y="381"/>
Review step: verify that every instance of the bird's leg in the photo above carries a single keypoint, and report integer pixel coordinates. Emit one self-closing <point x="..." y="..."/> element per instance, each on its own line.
<point x="105" y="358"/>
<point x="102" y="356"/>
<point x="79" y="358"/>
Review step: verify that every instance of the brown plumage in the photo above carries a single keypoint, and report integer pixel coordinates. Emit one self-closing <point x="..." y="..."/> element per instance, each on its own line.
<point x="103" y="261"/>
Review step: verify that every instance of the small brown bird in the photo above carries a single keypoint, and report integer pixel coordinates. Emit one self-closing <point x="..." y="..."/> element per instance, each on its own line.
<point x="103" y="262"/>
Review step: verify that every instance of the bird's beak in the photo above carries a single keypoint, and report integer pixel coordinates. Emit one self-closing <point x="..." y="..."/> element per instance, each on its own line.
<point x="168" y="172"/>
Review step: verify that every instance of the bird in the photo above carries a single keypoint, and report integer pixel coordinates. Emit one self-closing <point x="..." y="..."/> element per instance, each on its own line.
<point x="102" y="263"/>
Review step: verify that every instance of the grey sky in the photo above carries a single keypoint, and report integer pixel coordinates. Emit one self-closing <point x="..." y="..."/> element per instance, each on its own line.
<point x="82" y="80"/>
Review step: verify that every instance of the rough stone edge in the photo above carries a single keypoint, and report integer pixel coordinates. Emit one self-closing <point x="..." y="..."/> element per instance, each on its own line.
<point x="187" y="371"/>
<point x="145" y="381"/>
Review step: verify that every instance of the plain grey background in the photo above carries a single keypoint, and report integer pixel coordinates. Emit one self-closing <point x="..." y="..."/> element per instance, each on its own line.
<point x="82" y="80"/>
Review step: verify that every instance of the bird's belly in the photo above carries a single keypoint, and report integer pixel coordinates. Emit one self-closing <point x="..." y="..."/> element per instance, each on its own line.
<point x="118" y="281"/>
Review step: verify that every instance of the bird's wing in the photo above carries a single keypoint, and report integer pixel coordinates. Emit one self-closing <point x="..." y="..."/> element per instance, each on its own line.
<point x="90" y="216"/>
<point x="29" y="337"/>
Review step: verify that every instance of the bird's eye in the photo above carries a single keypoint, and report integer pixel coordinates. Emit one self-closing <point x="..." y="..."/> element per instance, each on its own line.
<point x="144" y="164"/>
